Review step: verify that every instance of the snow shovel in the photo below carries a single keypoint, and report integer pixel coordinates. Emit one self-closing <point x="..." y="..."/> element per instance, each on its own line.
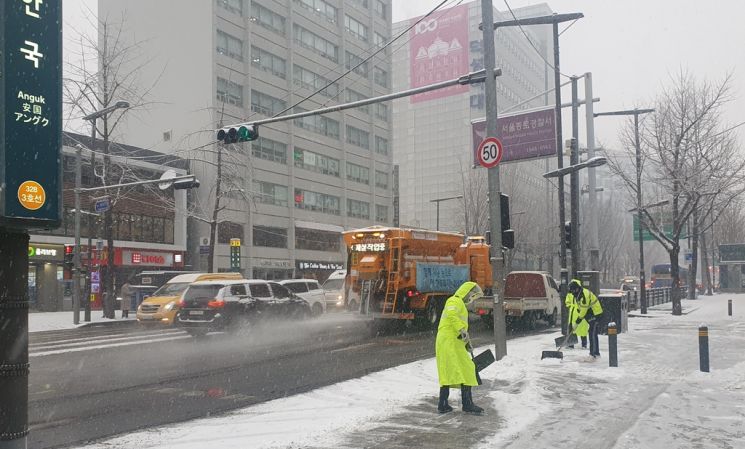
<point x="558" y="354"/>
<point x="481" y="361"/>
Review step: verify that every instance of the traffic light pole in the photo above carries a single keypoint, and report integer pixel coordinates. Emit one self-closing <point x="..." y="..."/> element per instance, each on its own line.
<point x="495" y="225"/>
<point x="574" y="185"/>
<point x="76" y="293"/>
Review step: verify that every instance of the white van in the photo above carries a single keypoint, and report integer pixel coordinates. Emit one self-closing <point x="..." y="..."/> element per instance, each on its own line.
<point x="334" y="290"/>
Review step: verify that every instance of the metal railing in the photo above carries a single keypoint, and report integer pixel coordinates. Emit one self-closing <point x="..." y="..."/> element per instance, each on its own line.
<point x="660" y="295"/>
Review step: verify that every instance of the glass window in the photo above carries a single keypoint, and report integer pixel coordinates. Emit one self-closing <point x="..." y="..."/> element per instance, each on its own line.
<point x="379" y="40"/>
<point x="358" y="137"/>
<point x="380" y="9"/>
<point x="313" y="81"/>
<point x="319" y="7"/>
<point x="359" y="3"/>
<point x="380" y="77"/>
<point x="355" y="28"/>
<point x="320" y="163"/>
<point x="235" y="6"/>
<point x="297" y="287"/>
<point x="356" y="64"/>
<point x="227" y="230"/>
<point x="280" y="291"/>
<point x="358" y="209"/>
<point x="266" y="104"/>
<point x="319" y="124"/>
<point x="260" y="290"/>
<point x="381" y="213"/>
<point x="270" y="237"/>
<point x="318" y="202"/>
<point x="267" y="18"/>
<point x="268" y="62"/>
<point x="381" y="179"/>
<point x="229" y="45"/>
<point x="316" y="240"/>
<point x="269" y="193"/>
<point x="353" y="95"/>
<point x="229" y="92"/>
<point x="269" y="149"/>
<point x="315" y="42"/>
<point x="238" y="290"/>
<point x="381" y="111"/>
<point x="358" y="173"/>
<point x="381" y="145"/>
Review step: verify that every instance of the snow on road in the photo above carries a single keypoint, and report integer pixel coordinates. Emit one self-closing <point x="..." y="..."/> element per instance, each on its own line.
<point x="656" y="398"/>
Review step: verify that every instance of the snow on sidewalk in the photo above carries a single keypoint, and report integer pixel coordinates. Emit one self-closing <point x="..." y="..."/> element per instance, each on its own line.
<point x="54" y="321"/>
<point x="656" y="398"/>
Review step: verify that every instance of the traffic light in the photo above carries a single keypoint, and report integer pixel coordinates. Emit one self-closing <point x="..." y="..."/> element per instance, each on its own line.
<point x="242" y="133"/>
<point x="568" y="233"/>
<point x="69" y="255"/>
<point x="508" y="235"/>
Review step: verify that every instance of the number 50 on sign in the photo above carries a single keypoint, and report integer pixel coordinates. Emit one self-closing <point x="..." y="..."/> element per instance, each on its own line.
<point x="490" y="152"/>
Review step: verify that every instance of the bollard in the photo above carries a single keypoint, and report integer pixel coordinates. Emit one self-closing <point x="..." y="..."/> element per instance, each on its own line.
<point x="703" y="348"/>
<point x="729" y="307"/>
<point x="612" y="345"/>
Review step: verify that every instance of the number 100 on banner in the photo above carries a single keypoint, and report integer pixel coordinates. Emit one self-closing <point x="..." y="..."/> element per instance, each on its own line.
<point x="490" y="152"/>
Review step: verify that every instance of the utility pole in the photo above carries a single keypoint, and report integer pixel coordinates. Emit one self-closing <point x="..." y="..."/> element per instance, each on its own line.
<point x="574" y="183"/>
<point x="639" y="208"/>
<point x="76" y="255"/>
<point x="495" y="219"/>
<point x="591" y="181"/>
<point x="438" y="201"/>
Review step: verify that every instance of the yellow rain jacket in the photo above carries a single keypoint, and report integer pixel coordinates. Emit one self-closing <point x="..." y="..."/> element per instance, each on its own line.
<point x="454" y="364"/>
<point x="582" y="329"/>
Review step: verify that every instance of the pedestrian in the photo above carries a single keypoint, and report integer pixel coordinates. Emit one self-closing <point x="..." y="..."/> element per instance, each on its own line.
<point x="126" y="295"/>
<point x="571" y="303"/>
<point x="588" y="309"/>
<point x="455" y="368"/>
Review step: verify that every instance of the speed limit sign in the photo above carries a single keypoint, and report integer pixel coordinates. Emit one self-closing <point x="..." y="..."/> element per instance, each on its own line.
<point x="490" y="152"/>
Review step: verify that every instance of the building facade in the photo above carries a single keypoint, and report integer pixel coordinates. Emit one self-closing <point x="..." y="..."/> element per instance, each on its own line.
<point x="149" y="225"/>
<point x="289" y="194"/>
<point x="432" y="135"/>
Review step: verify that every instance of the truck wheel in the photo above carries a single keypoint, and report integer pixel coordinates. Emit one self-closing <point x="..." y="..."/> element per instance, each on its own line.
<point x="434" y="310"/>
<point x="530" y="319"/>
<point x="553" y="317"/>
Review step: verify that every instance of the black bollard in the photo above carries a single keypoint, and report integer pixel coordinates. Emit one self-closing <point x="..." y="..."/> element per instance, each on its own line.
<point x="729" y="307"/>
<point x="703" y="348"/>
<point x="612" y="345"/>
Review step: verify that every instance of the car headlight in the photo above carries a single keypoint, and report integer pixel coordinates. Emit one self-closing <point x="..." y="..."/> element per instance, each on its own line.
<point x="339" y="298"/>
<point x="170" y="306"/>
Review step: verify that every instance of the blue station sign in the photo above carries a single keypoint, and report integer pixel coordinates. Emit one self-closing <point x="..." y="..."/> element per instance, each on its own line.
<point x="31" y="117"/>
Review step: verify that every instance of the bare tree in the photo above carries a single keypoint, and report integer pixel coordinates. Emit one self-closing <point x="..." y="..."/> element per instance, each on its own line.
<point x="680" y="147"/>
<point x="474" y="204"/>
<point x="104" y="73"/>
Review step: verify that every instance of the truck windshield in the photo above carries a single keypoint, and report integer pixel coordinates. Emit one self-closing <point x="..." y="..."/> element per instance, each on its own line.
<point x="174" y="289"/>
<point x="333" y="284"/>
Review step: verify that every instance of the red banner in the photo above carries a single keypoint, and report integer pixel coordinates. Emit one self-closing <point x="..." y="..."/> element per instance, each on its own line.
<point x="439" y="52"/>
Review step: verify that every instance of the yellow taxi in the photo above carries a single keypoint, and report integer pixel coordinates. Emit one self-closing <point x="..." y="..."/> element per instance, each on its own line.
<point x="162" y="306"/>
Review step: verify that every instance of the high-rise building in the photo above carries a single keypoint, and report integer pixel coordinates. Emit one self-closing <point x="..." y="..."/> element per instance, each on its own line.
<point x="289" y="194"/>
<point x="432" y="133"/>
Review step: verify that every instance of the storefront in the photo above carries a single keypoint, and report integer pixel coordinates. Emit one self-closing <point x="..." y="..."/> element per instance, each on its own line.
<point x="48" y="291"/>
<point x="316" y="270"/>
<point x="271" y="269"/>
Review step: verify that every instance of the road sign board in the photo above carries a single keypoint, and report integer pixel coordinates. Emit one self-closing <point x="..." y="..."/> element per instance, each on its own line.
<point x="689" y="257"/>
<point x="204" y="249"/>
<point x="490" y="152"/>
<point x="103" y="204"/>
<point x="31" y="101"/>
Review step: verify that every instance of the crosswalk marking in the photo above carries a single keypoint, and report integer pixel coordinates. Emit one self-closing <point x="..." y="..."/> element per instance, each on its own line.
<point x="41" y="349"/>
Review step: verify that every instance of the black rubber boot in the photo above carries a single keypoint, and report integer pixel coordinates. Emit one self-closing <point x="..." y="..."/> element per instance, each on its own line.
<point x="443" y="406"/>
<point x="468" y="405"/>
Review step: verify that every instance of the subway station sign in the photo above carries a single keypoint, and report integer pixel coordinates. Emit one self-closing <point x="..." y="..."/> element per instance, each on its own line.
<point x="30" y="122"/>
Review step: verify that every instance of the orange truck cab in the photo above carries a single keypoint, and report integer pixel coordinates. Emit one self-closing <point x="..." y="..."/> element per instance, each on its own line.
<point x="409" y="273"/>
<point x="162" y="306"/>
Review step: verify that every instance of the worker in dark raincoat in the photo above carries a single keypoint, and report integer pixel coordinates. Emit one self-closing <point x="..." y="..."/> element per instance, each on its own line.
<point x="455" y="368"/>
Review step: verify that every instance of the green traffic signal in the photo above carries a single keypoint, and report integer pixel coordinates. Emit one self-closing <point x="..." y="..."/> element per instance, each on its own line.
<point x="242" y="133"/>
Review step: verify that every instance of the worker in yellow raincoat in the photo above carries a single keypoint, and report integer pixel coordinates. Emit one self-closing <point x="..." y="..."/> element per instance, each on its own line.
<point x="587" y="313"/>
<point x="572" y="304"/>
<point x="455" y="368"/>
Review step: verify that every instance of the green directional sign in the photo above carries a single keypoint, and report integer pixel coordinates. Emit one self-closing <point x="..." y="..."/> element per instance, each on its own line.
<point x="235" y="254"/>
<point x="646" y="235"/>
<point x="31" y="117"/>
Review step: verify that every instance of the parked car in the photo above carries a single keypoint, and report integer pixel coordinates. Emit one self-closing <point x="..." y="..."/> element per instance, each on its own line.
<point x="338" y="296"/>
<point x="162" y="306"/>
<point x="236" y="305"/>
<point x="311" y="291"/>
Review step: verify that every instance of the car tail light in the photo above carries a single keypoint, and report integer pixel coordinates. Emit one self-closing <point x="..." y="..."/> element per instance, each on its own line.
<point x="216" y="304"/>
<point x="181" y="303"/>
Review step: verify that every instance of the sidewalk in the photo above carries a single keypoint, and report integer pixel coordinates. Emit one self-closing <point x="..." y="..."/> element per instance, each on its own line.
<point x="656" y="398"/>
<point x="53" y="321"/>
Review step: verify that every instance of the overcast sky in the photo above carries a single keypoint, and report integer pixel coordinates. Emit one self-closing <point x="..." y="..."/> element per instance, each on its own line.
<point x="630" y="46"/>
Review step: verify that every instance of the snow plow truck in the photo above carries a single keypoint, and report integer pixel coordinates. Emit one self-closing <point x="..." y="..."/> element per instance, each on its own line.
<point x="408" y="274"/>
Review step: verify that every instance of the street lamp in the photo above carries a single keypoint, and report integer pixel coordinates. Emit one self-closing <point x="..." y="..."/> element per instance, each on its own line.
<point x="596" y="161"/>
<point x="636" y="113"/>
<point x="438" y="201"/>
<point x="76" y="293"/>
